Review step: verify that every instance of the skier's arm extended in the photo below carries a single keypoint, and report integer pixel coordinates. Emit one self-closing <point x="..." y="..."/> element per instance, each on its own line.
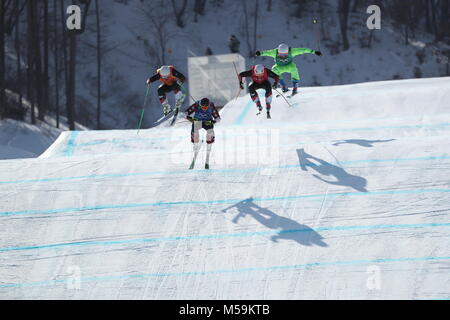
<point x="267" y="53"/>
<point x="244" y="74"/>
<point x="215" y="113"/>
<point x="179" y="75"/>
<point x="298" y="51"/>
<point x="190" y="111"/>
<point x="154" y="78"/>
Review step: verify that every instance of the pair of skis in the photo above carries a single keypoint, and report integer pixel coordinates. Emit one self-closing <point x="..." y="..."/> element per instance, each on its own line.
<point x="196" y="152"/>
<point x="292" y="95"/>
<point x="173" y="113"/>
<point x="268" y="114"/>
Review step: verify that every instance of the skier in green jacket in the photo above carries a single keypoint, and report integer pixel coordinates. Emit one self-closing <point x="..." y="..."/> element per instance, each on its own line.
<point x="284" y="62"/>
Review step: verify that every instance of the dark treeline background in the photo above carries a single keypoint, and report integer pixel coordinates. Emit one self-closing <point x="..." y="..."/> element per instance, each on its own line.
<point x="44" y="77"/>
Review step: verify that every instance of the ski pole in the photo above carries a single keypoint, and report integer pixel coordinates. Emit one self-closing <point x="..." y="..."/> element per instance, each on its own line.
<point x="143" y="109"/>
<point x="183" y="89"/>
<point x="283" y="97"/>
<point x="317" y="32"/>
<point x="237" y="74"/>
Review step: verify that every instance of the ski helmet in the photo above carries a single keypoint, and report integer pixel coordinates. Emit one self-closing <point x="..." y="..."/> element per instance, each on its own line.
<point x="283" y="49"/>
<point x="165" y="72"/>
<point x="204" y="103"/>
<point x="259" y="69"/>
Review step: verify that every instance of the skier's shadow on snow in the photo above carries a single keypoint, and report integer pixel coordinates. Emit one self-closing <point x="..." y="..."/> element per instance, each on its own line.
<point x="343" y="178"/>
<point x="361" y="142"/>
<point x="289" y="229"/>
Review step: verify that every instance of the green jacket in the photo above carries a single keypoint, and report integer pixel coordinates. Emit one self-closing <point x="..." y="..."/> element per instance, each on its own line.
<point x="293" y="52"/>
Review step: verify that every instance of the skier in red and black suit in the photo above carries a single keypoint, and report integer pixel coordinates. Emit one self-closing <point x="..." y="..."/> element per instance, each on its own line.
<point x="172" y="80"/>
<point x="260" y="77"/>
<point x="202" y="114"/>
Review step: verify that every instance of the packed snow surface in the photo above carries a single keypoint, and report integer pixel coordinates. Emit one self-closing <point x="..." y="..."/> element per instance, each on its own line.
<point x="344" y="194"/>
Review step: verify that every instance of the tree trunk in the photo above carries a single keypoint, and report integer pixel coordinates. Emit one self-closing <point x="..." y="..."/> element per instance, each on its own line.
<point x="30" y="60"/>
<point x="344" y="7"/>
<point x="65" y="62"/>
<point x="443" y="29"/>
<point x="199" y="7"/>
<point x="179" y="13"/>
<point x="56" y="56"/>
<point x="255" y="25"/>
<point x="427" y="16"/>
<point x="99" y="64"/>
<point x="18" y="57"/>
<point x="72" y="81"/>
<point x="37" y="61"/>
<point x="2" y="60"/>
<point x="355" y="6"/>
<point x="247" y="31"/>
<point x="46" y="85"/>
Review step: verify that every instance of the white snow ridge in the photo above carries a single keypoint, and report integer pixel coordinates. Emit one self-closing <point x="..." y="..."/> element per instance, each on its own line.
<point x="345" y="194"/>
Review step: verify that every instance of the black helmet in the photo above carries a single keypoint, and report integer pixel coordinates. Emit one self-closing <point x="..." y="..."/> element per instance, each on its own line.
<point x="204" y="103"/>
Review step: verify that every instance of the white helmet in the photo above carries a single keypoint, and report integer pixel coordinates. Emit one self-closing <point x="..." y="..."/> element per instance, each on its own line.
<point x="259" y="69"/>
<point x="165" y="71"/>
<point x="283" y="49"/>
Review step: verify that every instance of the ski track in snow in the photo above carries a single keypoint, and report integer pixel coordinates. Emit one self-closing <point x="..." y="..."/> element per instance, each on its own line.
<point x="303" y="206"/>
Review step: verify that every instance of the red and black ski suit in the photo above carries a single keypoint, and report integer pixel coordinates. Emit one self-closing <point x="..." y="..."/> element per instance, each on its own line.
<point x="168" y="84"/>
<point x="260" y="82"/>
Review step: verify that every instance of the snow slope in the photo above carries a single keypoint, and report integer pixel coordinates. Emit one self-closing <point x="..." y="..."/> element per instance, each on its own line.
<point x="344" y="195"/>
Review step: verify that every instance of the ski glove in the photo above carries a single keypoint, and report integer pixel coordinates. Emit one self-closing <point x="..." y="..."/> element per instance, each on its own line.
<point x="191" y="119"/>
<point x="180" y="83"/>
<point x="148" y="81"/>
<point x="258" y="53"/>
<point x="241" y="85"/>
<point x="318" y="53"/>
<point x="275" y="85"/>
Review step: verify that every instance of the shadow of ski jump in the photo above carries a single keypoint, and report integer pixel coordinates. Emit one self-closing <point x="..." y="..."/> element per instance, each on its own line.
<point x="290" y="229"/>
<point x="343" y="178"/>
<point x="361" y="142"/>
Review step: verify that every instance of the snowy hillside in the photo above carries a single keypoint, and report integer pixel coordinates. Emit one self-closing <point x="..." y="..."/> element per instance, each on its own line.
<point x="344" y="195"/>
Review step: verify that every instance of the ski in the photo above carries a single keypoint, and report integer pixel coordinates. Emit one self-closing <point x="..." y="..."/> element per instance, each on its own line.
<point x="196" y="152"/>
<point x="163" y="118"/>
<point x="175" y="115"/>
<point x="208" y="153"/>
<point x="279" y="95"/>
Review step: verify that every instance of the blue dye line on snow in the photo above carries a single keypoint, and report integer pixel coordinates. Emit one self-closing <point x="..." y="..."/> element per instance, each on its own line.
<point x="224" y="236"/>
<point x="70" y="148"/>
<point x="254" y="169"/>
<point x="71" y="144"/>
<point x="244" y="113"/>
<point x="225" y="271"/>
<point x="217" y="202"/>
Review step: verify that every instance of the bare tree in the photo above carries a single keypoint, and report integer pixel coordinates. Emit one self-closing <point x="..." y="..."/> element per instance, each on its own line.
<point x="199" y="8"/>
<point x="179" y="12"/>
<point x="159" y="31"/>
<point x="2" y="59"/>
<point x="343" y="11"/>
<point x="251" y="48"/>
<point x="56" y="61"/>
<point x="99" y="65"/>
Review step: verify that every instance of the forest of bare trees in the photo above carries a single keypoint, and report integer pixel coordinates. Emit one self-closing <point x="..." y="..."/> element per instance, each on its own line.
<point x="33" y="33"/>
